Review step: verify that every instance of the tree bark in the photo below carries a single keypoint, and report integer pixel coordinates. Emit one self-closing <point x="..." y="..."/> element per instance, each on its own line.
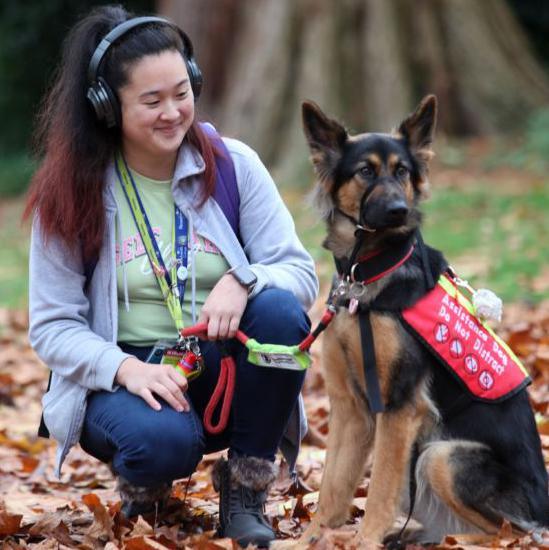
<point x="366" y="62"/>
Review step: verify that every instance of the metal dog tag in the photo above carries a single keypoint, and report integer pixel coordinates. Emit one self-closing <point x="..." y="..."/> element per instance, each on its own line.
<point x="357" y="290"/>
<point x="342" y="289"/>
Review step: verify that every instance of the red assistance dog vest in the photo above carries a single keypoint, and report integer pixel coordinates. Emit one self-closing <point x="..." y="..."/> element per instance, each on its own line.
<point x="445" y="322"/>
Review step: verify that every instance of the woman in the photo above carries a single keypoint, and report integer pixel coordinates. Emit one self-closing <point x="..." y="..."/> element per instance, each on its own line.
<point x="120" y="123"/>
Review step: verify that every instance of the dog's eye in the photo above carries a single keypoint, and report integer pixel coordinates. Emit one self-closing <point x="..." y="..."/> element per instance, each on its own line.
<point x="366" y="172"/>
<point x="401" y="171"/>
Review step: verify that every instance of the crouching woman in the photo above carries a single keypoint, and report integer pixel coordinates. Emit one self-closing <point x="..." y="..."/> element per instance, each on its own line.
<point x="137" y="232"/>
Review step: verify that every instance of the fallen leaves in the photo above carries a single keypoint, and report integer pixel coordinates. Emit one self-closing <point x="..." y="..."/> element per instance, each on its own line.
<point x="82" y="510"/>
<point x="9" y="523"/>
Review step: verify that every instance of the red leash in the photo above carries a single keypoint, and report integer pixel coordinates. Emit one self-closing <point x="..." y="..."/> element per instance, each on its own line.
<point x="225" y="382"/>
<point x="227" y="375"/>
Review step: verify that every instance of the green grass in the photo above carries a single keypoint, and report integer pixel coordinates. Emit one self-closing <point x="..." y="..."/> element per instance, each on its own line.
<point x="14" y="256"/>
<point x="495" y="239"/>
<point x="15" y="173"/>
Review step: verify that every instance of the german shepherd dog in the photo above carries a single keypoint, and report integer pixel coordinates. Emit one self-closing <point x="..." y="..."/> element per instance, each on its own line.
<point x="466" y="467"/>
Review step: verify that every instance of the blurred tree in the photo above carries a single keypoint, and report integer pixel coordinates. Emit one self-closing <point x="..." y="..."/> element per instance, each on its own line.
<point x="366" y="61"/>
<point x="31" y="34"/>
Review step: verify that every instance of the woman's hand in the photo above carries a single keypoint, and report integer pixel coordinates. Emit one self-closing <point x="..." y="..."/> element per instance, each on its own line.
<point x="224" y="307"/>
<point x="144" y="379"/>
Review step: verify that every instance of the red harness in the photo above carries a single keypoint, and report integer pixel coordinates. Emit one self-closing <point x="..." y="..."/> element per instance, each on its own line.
<point x="444" y="321"/>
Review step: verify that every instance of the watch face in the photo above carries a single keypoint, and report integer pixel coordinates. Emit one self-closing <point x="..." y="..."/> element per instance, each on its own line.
<point x="245" y="276"/>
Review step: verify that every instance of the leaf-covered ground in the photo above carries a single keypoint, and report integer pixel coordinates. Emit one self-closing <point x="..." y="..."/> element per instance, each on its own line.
<point x="82" y="510"/>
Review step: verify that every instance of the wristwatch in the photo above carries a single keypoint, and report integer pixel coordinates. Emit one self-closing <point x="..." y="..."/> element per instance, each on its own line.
<point x="245" y="276"/>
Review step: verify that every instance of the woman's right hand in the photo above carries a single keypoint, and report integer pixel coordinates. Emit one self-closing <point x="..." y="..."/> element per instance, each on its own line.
<point x="144" y="379"/>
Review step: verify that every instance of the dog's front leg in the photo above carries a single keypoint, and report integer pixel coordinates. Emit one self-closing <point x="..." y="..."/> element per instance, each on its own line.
<point x="349" y="442"/>
<point x="396" y="432"/>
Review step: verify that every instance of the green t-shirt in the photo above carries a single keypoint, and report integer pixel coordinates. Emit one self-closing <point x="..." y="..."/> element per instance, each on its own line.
<point x="149" y="319"/>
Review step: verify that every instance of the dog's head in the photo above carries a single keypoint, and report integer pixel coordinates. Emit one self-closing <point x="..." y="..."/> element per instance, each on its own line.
<point x="373" y="180"/>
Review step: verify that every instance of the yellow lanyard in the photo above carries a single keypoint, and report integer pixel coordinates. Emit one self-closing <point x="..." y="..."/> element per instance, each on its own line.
<point x="168" y="283"/>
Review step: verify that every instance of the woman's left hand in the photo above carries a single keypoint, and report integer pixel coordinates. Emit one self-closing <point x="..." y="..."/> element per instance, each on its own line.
<point x="224" y="307"/>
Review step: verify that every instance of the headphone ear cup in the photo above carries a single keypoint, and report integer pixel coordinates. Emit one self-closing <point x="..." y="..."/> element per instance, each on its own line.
<point x="195" y="76"/>
<point x="113" y="114"/>
<point x="104" y="103"/>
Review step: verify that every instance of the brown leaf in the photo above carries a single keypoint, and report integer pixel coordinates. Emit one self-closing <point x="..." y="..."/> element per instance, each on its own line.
<point x="299" y="487"/>
<point x="29" y="464"/>
<point x="299" y="511"/>
<point x="541" y="362"/>
<point x="11" y="545"/>
<point x="141" y="528"/>
<point x="520" y="339"/>
<point x="33" y="446"/>
<point x="473" y="540"/>
<point x="102" y="526"/>
<point x="169" y="533"/>
<point x="288" y="527"/>
<point x="9" y="524"/>
<point x="543" y="426"/>
<point x="142" y="543"/>
<point x="47" y="544"/>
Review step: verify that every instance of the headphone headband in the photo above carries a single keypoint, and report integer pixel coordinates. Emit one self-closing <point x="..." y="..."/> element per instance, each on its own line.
<point x="121" y="30"/>
<point x="101" y="97"/>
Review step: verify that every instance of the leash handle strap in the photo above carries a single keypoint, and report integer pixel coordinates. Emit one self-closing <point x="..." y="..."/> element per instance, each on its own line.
<point x="225" y="385"/>
<point x="201" y="329"/>
<point x="373" y="391"/>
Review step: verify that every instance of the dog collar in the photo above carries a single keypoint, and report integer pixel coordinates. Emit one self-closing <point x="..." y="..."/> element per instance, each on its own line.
<point x="376" y="264"/>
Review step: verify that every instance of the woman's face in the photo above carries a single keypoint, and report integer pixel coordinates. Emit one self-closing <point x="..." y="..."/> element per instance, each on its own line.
<point x="157" y="105"/>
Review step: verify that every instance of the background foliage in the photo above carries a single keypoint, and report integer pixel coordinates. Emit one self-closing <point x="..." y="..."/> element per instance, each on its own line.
<point x="490" y="194"/>
<point x="31" y="34"/>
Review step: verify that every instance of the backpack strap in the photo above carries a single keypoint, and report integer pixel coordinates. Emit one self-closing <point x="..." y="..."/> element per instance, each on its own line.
<point x="226" y="189"/>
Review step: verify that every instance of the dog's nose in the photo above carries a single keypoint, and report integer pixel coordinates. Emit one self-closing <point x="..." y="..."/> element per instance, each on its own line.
<point x="397" y="211"/>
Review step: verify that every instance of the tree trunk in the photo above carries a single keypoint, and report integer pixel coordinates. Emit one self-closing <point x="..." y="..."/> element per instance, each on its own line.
<point x="366" y="62"/>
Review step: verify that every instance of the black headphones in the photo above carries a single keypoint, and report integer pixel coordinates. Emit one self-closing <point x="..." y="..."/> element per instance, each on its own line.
<point x="101" y="96"/>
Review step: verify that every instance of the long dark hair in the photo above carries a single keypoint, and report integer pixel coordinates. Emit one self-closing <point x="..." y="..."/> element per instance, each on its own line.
<point x="67" y="189"/>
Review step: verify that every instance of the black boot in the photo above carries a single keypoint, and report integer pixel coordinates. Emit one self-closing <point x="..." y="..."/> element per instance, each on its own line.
<point x="142" y="500"/>
<point x="243" y="483"/>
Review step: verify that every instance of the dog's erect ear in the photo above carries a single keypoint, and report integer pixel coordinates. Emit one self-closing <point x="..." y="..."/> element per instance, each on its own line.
<point x="419" y="127"/>
<point x="321" y="131"/>
<point x="326" y="138"/>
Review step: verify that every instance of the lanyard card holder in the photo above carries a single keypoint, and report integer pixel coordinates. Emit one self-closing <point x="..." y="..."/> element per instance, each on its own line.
<point x="184" y="356"/>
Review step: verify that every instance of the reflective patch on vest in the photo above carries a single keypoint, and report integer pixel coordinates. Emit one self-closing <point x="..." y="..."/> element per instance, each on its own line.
<point x="444" y="321"/>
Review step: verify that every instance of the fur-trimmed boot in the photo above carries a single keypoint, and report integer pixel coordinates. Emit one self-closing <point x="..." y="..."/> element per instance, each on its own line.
<point x="242" y="483"/>
<point x="142" y="500"/>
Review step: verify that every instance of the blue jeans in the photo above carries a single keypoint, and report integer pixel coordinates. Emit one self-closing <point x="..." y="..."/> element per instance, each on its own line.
<point x="149" y="447"/>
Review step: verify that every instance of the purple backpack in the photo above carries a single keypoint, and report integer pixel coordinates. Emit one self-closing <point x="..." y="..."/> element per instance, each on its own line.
<point x="226" y="190"/>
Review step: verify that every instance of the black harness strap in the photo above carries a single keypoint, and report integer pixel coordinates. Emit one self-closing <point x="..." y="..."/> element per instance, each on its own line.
<point x="373" y="391"/>
<point x="429" y="280"/>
